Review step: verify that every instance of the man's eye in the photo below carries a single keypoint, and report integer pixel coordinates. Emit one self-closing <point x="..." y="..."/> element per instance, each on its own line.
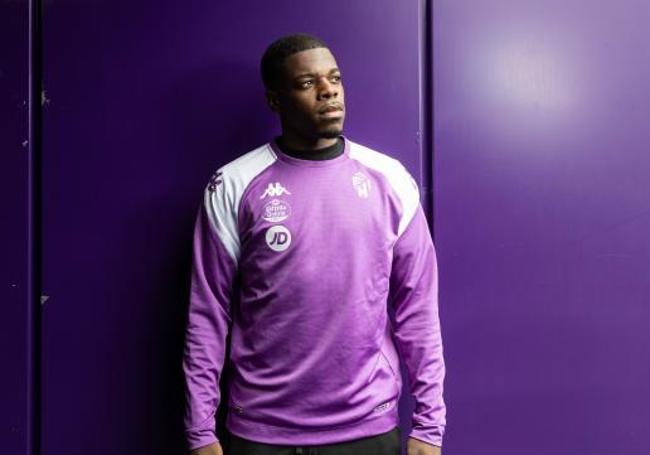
<point x="336" y="78"/>
<point x="306" y="84"/>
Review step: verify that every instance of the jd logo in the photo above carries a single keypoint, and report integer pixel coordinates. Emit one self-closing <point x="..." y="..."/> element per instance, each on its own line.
<point x="278" y="238"/>
<point x="274" y="190"/>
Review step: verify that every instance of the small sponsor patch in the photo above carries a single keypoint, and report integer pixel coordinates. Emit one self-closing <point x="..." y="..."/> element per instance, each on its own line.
<point x="278" y="238"/>
<point x="276" y="210"/>
<point x="383" y="407"/>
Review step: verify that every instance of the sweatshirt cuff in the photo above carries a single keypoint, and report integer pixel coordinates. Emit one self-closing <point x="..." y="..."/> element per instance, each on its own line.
<point x="201" y="438"/>
<point x="431" y="435"/>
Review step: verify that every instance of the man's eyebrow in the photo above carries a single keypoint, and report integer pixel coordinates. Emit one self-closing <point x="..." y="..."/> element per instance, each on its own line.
<point x="333" y="70"/>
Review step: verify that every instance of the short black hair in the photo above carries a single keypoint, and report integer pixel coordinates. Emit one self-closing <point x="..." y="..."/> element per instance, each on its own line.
<point x="279" y="50"/>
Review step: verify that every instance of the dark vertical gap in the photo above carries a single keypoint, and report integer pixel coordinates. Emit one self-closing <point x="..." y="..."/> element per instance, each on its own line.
<point x="34" y="181"/>
<point x="426" y="72"/>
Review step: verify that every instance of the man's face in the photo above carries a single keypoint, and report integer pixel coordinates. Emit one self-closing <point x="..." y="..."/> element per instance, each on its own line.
<point x="310" y="96"/>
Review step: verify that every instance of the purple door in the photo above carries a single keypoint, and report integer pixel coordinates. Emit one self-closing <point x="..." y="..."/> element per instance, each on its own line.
<point x="14" y="21"/>
<point x="147" y="99"/>
<point x="542" y="215"/>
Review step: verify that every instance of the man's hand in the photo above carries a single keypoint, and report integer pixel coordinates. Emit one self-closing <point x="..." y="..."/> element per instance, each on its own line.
<point x="417" y="447"/>
<point x="212" y="449"/>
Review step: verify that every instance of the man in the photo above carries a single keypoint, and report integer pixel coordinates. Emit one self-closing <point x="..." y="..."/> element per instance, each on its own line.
<point x="300" y="245"/>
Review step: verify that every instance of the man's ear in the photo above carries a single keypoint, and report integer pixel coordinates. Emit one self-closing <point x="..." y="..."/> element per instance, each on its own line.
<point x="273" y="100"/>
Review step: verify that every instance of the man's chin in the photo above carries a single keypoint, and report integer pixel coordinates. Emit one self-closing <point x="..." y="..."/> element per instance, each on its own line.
<point x="330" y="133"/>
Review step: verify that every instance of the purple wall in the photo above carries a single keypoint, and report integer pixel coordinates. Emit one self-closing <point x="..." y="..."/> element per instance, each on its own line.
<point x="13" y="243"/>
<point x="541" y="205"/>
<point x="147" y="99"/>
<point x="542" y="215"/>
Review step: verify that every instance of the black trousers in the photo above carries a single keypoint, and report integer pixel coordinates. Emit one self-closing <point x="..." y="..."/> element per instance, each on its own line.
<point x="388" y="443"/>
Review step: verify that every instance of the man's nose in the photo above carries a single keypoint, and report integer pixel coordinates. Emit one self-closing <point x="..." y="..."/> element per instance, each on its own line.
<point x="326" y="89"/>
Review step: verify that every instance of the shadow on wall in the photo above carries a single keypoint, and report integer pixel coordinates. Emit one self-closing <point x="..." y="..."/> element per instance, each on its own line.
<point x="207" y="126"/>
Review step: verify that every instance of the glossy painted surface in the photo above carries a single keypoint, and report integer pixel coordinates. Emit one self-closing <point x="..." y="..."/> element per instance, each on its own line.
<point x="542" y="214"/>
<point x="147" y="99"/>
<point x="541" y="205"/>
<point x="13" y="246"/>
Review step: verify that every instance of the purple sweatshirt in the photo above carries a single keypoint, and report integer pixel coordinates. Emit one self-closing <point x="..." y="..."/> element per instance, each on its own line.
<point x="298" y="260"/>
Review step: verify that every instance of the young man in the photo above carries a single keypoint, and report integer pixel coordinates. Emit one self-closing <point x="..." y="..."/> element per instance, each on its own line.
<point x="300" y="245"/>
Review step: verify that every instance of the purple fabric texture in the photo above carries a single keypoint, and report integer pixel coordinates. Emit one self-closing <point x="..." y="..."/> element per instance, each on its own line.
<point x="298" y="260"/>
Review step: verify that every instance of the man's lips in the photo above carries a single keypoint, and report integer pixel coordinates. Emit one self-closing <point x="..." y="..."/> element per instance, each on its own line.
<point x="337" y="114"/>
<point x="331" y="108"/>
<point x="333" y="111"/>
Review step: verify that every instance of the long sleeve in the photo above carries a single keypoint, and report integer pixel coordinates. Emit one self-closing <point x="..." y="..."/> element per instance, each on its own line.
<point x="212" y="275"/>
<point x="414" y="295"/>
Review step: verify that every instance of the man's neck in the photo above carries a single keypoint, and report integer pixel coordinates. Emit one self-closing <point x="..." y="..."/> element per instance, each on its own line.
<point x="325" y="153"/>
<point x="297" y="142"/>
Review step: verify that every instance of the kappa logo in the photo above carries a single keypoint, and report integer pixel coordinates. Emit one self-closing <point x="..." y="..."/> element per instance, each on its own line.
<point x="278" y="238"/>
<point x="274" y="189"/>
<point x="215" y="181"/>
<point x="361" y="183"/>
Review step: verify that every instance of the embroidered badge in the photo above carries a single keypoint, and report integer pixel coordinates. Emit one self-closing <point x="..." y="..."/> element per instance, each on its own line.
<point x="361" y="183"/>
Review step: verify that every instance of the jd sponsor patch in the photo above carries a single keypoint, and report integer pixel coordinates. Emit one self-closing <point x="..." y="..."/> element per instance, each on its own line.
<point x="278" y="238"/>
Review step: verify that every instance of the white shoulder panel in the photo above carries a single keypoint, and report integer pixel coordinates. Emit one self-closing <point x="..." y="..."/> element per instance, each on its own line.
<point x="397" y="175"/>
<point x="224" y="192"/>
